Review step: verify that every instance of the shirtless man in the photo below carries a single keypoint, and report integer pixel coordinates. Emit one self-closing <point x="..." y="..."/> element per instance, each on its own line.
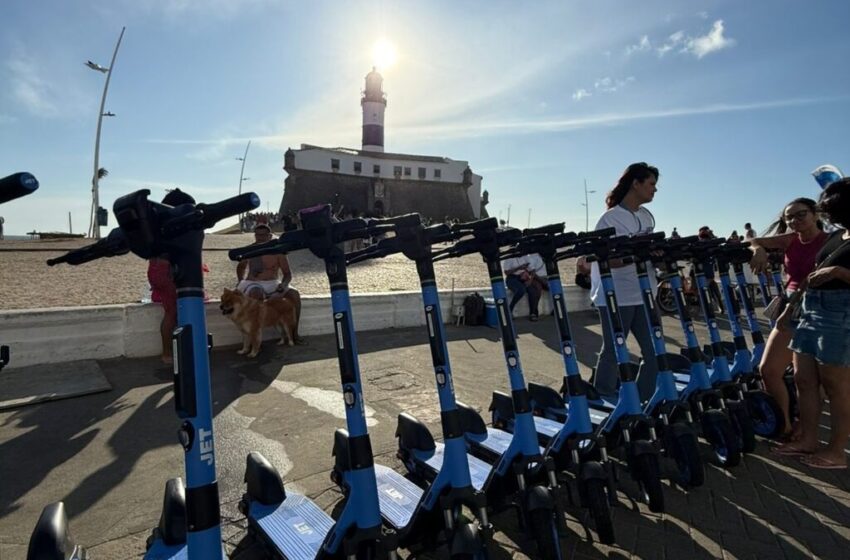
<point x="262" y="280"/>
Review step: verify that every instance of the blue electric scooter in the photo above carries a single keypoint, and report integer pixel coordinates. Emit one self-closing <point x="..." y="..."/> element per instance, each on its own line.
<point x="292" y="526"/>
<point x="706" y="402"/>
<point x="521" y="478"/>
<point x="703" y="255"/>
<point x="623" y="423"/>
<point x="190" y="525"/>
<point x="768" y="420"/>
<point x="568" y="442"/>
<point x="671" y="410"/>
<point x="451" y="478"/>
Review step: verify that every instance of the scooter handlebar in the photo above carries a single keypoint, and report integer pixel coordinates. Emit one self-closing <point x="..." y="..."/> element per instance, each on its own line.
<point x="217" y="211"/>
<point x="469" y="227"/>
<point x="17" y="185"/>
<point x="551" y="229"/>
<point x="597" y="234"/>
<point x="112" y="245"/>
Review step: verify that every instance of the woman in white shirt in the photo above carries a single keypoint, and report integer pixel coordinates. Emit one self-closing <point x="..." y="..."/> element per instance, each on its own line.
<point x="626" y="215"/>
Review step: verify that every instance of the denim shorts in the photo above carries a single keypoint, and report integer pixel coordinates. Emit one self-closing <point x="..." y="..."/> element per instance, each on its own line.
<point x="824" y="329"/>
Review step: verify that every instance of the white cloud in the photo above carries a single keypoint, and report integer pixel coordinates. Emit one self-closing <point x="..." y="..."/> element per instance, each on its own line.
<point x="702" y="15"/>
<point x="610" y="85"/>
<point x="642" y="45"/>
<point x="28" y="88"/>
<point x="674" y="41"/>
<point x="491" y="128"/>
<point x="712" y="41"/>
<point x="580" y="94"/>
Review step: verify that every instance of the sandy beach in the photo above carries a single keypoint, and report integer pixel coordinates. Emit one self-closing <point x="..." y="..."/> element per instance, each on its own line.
<point x="27" y="282"/>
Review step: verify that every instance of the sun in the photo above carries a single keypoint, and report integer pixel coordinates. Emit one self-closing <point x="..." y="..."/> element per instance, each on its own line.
<point x="383" y="54"/>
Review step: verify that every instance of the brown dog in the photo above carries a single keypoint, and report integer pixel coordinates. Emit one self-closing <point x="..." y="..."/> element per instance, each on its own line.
<point x="252" y="316"/>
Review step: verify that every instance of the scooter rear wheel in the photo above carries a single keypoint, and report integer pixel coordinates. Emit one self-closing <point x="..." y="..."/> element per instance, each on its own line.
<point x="767" y="417"/>
<point x="717" y="430"/>
<point x="544" y="529"/>
<point x="600" y="510"/>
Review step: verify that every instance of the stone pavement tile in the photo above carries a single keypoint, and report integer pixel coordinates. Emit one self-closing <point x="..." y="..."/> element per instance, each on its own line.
<point x="749" y="549"/>
<point x="821" y="542"/>
<point x="707" y="541"/>
<point x="809" y="518"/>
<point x="794" y="549"/>
<point x="759" y="530"/>
<point x="840" y="533"/>
<point x="727" y="517"/>
<point x="773" y="501"/>
<point x="652" y="543"/>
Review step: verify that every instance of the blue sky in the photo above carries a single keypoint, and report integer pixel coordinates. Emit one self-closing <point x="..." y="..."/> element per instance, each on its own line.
<point x="735" y="102"/>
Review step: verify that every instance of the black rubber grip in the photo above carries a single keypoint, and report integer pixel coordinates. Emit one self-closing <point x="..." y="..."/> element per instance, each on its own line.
<point x="17" y="185"/>
<point x="740" y="343"/>
<point x="202" y="509"/>
<point x="228" y="207"/>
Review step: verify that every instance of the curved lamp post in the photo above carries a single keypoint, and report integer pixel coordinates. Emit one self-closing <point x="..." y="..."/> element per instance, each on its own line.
<point x="241" y="175"/>
<point x="94" y="227"/>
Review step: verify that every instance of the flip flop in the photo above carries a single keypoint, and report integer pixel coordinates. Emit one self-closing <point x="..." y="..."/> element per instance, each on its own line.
<point x="820" y="463"/>
<point x="790" y="450"/>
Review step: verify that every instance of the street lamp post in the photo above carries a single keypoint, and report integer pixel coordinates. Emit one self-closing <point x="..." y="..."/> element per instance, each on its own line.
<point x="242" y="175"/>
<point x="94" y="227"/>
<point x="586" y="207"/>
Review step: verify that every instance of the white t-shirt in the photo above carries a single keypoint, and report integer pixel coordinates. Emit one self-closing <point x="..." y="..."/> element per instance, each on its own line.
<point x="625" y="222"/>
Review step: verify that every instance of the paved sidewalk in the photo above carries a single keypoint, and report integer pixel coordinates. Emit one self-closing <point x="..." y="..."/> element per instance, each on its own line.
<point x="108" y="455"/>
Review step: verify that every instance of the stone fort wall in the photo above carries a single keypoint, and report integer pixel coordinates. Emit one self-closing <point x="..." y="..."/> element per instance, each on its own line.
<point x="432" y="199"/>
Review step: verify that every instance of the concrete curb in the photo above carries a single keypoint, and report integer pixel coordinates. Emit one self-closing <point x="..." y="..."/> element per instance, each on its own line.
<point x="63" y="334"/>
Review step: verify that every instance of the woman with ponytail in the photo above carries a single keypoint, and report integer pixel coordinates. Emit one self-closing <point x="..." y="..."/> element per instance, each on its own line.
<point x="627" y="215"/>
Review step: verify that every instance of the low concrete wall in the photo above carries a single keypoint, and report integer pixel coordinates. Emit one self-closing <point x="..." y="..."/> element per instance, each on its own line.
<point x="63" y="334"/>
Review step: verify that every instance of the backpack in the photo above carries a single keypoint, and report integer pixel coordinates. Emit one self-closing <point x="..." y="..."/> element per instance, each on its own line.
<point x="473" y="309"/>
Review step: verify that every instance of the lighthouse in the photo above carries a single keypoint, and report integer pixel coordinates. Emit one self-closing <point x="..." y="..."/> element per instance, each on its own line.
<point x="374" y="103"/>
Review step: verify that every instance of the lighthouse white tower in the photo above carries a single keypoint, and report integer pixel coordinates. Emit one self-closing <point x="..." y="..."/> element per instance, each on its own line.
<point x="374" y="103"/>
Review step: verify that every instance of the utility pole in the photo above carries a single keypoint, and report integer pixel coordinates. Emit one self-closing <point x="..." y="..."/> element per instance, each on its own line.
<point x="70" y="229"/>
<point x="528" y="224"/>
<point x="508" y="221"/>
<point x="586" y="207"/>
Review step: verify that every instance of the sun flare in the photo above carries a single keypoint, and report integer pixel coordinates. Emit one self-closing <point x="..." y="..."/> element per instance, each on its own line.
<point x="383" y="54"/>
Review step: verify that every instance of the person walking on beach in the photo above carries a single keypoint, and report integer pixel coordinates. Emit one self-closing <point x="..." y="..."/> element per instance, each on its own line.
<point x="268" y="277"/>
<point x="627" y="215"/>
<point x="749" y="232"/>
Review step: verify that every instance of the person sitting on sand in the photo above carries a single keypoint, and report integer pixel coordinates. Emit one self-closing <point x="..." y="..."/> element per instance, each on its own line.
<point x="263" y="278"/>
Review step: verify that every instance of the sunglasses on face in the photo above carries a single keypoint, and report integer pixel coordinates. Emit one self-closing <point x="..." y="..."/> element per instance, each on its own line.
<point x="796" y="215"/>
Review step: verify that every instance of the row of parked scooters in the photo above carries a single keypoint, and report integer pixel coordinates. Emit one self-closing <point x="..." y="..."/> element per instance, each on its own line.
<point x="547" y="453"/>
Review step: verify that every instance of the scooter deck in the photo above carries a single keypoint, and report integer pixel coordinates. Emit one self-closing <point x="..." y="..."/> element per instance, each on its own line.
<point x="398" y="497"/>
<point x="296" y="527"/>
<point x="496" y="441"/>
<point x="479" y="470"/>
<point x="161" y="551"/>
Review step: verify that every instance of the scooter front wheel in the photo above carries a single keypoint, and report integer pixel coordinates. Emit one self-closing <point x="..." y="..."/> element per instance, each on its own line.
<point x="717" y="429"/>
<point x="743" y="425"/>
<point x="544" y="529"/>
<point x="648" y="475"/>
<point x="600" y="510"/>
<point x="768" y="419"/>
<point x="685" y="451"/>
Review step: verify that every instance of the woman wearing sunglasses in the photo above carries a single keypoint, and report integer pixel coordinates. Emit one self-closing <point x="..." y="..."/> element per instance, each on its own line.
<point x="799" y="233"/>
